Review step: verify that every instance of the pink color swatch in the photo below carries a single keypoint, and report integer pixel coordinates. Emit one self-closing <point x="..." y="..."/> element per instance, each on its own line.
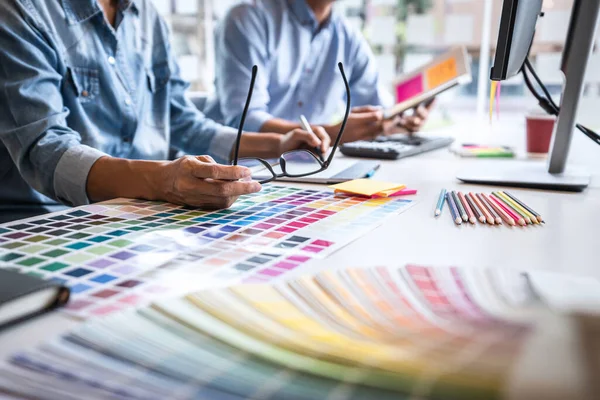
<point x="409" y="89"/>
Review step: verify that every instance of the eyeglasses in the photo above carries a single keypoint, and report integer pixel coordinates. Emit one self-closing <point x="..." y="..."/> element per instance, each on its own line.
<point x="295" y="163"/>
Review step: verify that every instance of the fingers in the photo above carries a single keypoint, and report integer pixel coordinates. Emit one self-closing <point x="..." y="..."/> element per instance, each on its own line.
<point x="306" y="138"/>
<point x="323" y="136"/>
<point x="422" y="112"/>
<point x="206" y="158"/>
<point x="411" y="124"/>
<point x="365" y="109"/>
<point x="365" y="117"/>
<point x="200" y="182"/>
<point x="204" y="167"/>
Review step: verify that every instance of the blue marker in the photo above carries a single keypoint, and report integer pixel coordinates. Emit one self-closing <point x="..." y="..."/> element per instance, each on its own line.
<point x="440" y="203"/>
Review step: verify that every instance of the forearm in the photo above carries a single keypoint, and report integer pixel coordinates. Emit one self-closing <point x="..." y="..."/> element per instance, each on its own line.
<point x="262" y="145"/>
<point x="111" y="177"/>
<point x="278" y="125"/>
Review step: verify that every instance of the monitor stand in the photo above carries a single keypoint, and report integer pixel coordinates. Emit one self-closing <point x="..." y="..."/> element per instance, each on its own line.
<point x="528" y="174"/>
<point x="555" y="175"/>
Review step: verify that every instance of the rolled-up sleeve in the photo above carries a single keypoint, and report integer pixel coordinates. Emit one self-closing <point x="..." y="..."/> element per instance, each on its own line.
<point x="241" y="43"/>
<point x="33" y="127"/>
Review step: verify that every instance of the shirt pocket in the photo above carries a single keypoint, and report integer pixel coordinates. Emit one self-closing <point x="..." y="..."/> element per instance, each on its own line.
<point x="86" y="82"/>
<point x="158" y="77"/>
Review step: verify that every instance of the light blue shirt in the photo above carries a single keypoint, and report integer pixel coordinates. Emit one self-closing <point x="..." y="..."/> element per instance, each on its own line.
<point x="297" y="65"/>
<point x="73" y="89"/>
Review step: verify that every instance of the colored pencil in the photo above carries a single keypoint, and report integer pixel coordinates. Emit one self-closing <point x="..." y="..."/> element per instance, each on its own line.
<point x="490" y="220"/>
<point x="453" y="209"/>
<point x="467" y="208"/>
<point x="440" y="203"/>
<point x="518" y="218"/>
<point x="529" y="218"/>
<point x="476" y="212"/>
<point x="525" y="206"/>
<point x="489" y="208"/>
<point x="461" y="209"/>
<point x="506" y="217"/>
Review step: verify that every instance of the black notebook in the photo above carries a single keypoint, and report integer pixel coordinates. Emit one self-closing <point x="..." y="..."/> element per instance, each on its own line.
<point x="23" y="296"/>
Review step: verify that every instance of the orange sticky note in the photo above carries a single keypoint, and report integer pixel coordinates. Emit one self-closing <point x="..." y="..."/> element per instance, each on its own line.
<point x="441" y="73"/>
<point x="366" y="187"/>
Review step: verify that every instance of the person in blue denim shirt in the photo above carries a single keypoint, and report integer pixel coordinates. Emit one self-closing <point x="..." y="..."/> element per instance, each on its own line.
<point x="91" y="99"/>
<point x="296" y="45"/>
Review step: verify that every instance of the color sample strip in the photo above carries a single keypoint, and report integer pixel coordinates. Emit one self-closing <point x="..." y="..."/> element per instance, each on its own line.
<point x="292" y="340"/>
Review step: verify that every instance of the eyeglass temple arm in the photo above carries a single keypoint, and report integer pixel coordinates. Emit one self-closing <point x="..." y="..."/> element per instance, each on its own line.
<point x="345" y="120"/>
<point x="243" y="118"/>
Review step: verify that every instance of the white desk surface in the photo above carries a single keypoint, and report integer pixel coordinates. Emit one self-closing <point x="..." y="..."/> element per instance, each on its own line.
<point x="566" y="243"/>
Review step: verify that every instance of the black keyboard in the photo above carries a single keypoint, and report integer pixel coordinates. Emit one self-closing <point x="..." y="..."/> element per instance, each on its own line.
<point x="394" y="147"/>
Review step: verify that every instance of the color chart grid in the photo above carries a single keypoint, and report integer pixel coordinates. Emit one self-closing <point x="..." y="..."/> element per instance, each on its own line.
<point x="128" y="252"/>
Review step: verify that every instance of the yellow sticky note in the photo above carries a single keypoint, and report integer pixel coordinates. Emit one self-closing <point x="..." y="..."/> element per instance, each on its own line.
<point x="366" y="187"/>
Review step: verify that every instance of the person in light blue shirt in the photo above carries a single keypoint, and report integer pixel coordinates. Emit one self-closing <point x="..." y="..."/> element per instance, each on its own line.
<point x="296" y="45"/>
<point x="91" y="100"/>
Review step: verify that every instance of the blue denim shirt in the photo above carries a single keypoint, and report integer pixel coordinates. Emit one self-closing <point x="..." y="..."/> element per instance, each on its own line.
<point x="73" y="89"/>
<point x="297" y="65"/>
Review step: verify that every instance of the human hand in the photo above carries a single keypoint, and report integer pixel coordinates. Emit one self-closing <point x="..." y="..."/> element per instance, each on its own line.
<point x="364" y="123"/>
<point x="301" y="139"/>
<point x="411" y="123"/>
<point x="201" y="182"/>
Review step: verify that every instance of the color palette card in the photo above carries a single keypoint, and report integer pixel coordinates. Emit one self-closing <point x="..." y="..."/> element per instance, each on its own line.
<point x="125" y="253"/>
<point x="376" y="333"/>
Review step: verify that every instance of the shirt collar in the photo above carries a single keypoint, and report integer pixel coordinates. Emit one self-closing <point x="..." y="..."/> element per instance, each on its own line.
<point x="305" y="15"/>
<point x="78" y="11"/>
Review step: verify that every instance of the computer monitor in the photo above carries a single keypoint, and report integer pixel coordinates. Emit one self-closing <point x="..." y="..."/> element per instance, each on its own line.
<point x="516" y="33"/>
<point x="517" y="28"/>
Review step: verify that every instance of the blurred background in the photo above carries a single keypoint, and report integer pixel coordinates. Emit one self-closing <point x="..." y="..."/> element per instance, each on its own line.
<point x="405" y="34"/>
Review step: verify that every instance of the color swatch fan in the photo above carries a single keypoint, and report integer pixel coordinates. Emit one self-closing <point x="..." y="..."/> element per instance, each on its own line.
<point x="378" y="333"/>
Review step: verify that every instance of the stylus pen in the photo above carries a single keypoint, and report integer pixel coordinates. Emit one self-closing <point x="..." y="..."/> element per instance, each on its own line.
<point x="453" y="209"/>
<point x="461" y="210"/>
<point x="307" y="128"/>
<point x="440" y="203"/>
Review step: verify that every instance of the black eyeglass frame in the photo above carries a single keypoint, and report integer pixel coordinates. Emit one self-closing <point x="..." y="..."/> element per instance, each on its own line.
<point x="324" y="164"/>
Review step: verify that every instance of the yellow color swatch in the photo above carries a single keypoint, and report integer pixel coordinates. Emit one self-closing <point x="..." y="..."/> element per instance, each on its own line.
<point x="441" y="73"/>
<point x="493" y="89"/>
<point x="366" y="187"/>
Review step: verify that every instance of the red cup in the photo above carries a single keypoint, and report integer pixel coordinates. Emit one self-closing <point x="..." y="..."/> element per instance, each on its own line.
<point x="539" y="132"/>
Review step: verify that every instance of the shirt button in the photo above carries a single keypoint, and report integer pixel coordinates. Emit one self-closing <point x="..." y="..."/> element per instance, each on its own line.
<point x="111" y="60"/>
<point x="128" y="102"/>
<point x="85" y="93"/>
<point x="300" y="104"/>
